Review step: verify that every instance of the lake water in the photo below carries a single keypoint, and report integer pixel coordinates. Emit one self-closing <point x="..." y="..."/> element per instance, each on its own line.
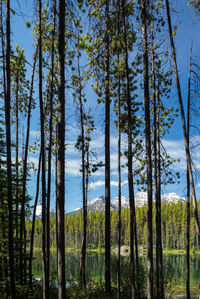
<point x="174" y="268"/>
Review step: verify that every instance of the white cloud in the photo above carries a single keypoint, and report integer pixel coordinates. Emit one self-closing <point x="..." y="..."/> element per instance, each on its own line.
<point x="97" y="184"/>
<point x="125" y="182"/>
<point x="35" y="134"/>
<point x="176" y="150"/>
<point x="72" y="167"/>
<point x="94" y="185"/>
<point x="114" y="183"/>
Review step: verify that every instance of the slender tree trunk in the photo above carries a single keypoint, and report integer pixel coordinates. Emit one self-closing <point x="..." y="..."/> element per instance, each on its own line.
<point x="22" y="212"/>
<point x="130" y="159"/>
<point x="119" y="199"/>
<point x="156" y="174"/>
<point x="8" y="147"/>
<point x="56" y="176"/>
<point x="24" y="249"/>
<point x="156" y="145"/>
<point x="158" y="198"/>
<point x="148" y="151"/>
<point x="87" y="150"/>
<point x="17" y="166"/>
<point x="33" y="223"/>
<point x="107" y="154"/>
<point x="188" y="191"/>
<point x="50" y="139"/>
<point x="61" y="153"/>
<point x="83" y="249"/>
<point x="119" y="161"/>
<point x="45" y="278"/>
<point x="3" y="50"/>
<point x="187" y="151"/>
<point x="5" y="262"/>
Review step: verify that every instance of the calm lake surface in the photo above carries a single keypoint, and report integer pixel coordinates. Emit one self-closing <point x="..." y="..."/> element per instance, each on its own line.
<point x="174" y="268"/>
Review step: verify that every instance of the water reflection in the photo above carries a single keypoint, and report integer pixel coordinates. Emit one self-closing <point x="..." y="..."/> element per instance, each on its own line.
<point x="174" y="268"/>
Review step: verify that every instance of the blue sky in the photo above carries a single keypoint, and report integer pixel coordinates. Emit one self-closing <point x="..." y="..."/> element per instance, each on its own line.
<point x="188" y="29"/>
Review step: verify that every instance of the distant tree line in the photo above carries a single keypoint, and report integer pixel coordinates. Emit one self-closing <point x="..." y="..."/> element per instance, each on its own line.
<point x="173" y="228"/>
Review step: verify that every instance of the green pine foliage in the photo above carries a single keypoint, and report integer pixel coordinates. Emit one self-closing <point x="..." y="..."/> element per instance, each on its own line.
<point x="173" y="228"/>
<point x="4" y="258"/>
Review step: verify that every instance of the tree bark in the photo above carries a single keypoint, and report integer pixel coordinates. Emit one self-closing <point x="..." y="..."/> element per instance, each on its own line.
<point x="158" y="199"/>
<point x="119" y="160"/>
<point x="83" y="249"/>
<point x="107" y="154"/>
<point x="157" y="181"/>
<point x="50" y="140"/>
<point x="60" y="199"/>
<point x="5" y="261"/>
<point x="33" y="224"/>
<point x="22" y="212"/>
<point x="8" y="148"/>
<point x="188" y="191"/>
<point x="17" y="166"/>
<point x="148" y="151"/>
<point x="187" y="151"/>
<point x="45" y="278"/>
<point x="130" y="161"/>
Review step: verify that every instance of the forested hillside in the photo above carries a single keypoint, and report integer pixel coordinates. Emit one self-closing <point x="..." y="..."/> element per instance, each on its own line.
<point x="173" y="228"/>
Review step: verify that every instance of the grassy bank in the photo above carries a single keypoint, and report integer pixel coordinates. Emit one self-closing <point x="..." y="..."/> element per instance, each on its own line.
<point x="180" y="290"/>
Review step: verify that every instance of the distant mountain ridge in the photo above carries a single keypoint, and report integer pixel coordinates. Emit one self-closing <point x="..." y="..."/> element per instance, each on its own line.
<point x="38" y="212"/>
<point x="98" y="204"/>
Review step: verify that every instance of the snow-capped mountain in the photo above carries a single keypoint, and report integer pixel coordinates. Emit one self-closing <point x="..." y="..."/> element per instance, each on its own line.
<point x="140" y="199"/>
<point x="124" y="202"/>
<point x="39" y="212"/>
<point x="172" y="197"/>
<point x="97" y="204"/>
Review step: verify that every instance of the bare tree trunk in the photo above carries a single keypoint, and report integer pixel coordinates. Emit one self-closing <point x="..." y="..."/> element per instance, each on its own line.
<point x="155" y="172"/>
<point x="87" y="150"/>
<point x="119" y="161"/>
<point x="61" y="153"/>
<point x="119" y="197"/>
<point x="159" y="200"/>
<point x="148" y="151"/>
<point x="17" y="167"/>
<point x="45" y="278"/>
<point x="50" y="140"/>
<point x="5" y="261"/>
<point x="33" y="224"/>
<point x="187" y="151"/>
<point x="3" y="50"/>
<point x="157" y="181"/>
<point x="188" y="191"/>
<point x="130" y="160"/>
<point x="56" y="176"/>
<point x="83" y="249"/>
<point x="107" y="154"/>
<point x="22" y="212"/>
<point x="8" y="147"/>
